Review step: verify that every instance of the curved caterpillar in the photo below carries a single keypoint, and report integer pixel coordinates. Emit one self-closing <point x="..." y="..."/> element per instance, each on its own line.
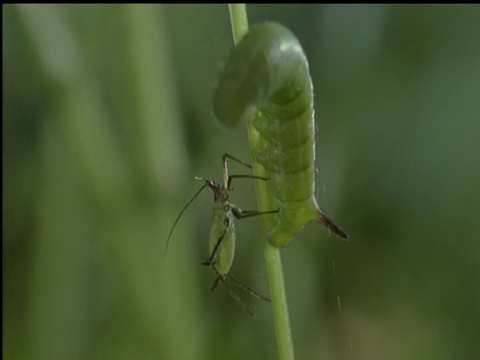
<point x="266" y="80"/>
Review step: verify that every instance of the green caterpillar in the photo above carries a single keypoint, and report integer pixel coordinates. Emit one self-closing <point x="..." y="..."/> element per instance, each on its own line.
<point x="266" y="80"/>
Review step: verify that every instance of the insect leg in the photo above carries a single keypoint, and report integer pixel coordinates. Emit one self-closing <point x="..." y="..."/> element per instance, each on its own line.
<point x="232" y="293"/>
<point x="242" y="214"/>
<point x="228" y="156"/>
<point x="247" y="289"/>
<point x="227" y="179"/>
<point x="213" y="255"/>
<point x="215" y="283"/>
<point x="231" y="177"/>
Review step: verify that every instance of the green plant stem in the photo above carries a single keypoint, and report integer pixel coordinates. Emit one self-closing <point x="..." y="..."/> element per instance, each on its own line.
<point x="238" y="17"/>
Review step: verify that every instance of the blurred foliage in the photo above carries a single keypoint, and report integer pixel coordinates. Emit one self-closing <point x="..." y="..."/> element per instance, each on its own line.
<point x="107" y="118"/>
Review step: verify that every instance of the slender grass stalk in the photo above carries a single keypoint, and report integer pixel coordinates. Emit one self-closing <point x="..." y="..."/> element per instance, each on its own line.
<point x="239" y="20"/>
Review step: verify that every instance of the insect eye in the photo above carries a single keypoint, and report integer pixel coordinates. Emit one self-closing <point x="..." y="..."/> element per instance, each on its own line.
<point x="226" y="208"/>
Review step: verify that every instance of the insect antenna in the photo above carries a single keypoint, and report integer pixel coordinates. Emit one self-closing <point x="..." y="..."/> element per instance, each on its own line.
<point x="180" y="215"/>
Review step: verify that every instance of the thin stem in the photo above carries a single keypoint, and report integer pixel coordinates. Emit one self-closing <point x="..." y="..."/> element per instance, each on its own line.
<point x="239" y="21"/>
<point x="238" y="17"/>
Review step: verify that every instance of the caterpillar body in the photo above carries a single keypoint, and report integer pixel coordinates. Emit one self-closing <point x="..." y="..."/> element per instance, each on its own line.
<point x="266" y="80"/>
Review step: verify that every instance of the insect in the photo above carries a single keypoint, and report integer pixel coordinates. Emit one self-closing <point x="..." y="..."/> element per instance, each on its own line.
<point x="222" y="232"/>
<point x="266" y="81"/>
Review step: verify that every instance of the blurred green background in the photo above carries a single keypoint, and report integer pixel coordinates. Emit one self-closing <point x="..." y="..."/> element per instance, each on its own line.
<point x="107" y="119"/>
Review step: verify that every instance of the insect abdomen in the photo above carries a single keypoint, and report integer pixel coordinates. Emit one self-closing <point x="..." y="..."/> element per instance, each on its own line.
<point x="288" y="154"/>
<point x="223" y="231"/>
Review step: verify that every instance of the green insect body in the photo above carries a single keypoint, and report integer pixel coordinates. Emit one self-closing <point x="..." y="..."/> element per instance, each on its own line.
<point x="223" y="229"/>
<point x="266" y="80"/>
<point x="222" y="232"/>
